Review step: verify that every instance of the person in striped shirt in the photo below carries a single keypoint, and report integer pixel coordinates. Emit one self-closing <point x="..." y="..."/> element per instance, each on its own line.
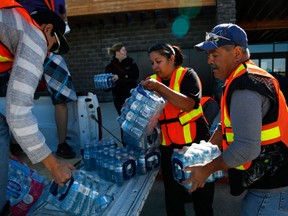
<point x="28" y="42"/>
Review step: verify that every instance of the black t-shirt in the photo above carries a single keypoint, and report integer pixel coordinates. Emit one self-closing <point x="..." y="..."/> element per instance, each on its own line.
<point x="191" y="88"/>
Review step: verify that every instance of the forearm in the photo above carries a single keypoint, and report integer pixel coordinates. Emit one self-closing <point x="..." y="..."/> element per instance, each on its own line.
<point x="24" y="78"/>
<point x="215" y="165"/>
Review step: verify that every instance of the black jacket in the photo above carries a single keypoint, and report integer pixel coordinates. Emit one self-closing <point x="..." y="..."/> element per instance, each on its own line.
<point x="128" y="73"/>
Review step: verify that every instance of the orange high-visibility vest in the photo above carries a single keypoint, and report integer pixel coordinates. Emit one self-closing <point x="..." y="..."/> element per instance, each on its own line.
<point x="6" y="57"/>
<point x="177" y="126"/>
<point x="205" y="99"/>
<point x="50" y="4"/>
<point x="272" y="132"/>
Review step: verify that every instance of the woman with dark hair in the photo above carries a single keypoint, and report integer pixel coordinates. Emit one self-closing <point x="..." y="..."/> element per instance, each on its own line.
<point x="125" y="74"/>
<point x="182" y="89"/>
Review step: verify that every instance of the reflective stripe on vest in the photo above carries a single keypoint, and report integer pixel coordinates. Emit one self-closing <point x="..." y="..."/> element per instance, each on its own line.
<point x="270" y="133"/>
<point x="182" y="121"/>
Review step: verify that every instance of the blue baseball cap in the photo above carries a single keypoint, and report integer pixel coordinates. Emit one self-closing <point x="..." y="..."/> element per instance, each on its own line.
<point x="223" y="34"/>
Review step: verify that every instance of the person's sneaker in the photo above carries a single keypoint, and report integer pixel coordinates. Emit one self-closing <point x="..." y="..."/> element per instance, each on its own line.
<point x="65" y="151"/>
<point x="15" y="149"/>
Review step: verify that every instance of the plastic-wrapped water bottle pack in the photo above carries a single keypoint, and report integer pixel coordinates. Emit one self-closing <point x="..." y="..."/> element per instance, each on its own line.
<point x="24" y="189"/>
<point x="104" y="81"/>
<point x="80" y="195"/>
<point x="139" y="116"/>
<point x="195" y="154"/>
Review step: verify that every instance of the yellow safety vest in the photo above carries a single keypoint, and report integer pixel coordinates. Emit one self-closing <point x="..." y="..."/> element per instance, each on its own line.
<point x="178" y="126"/>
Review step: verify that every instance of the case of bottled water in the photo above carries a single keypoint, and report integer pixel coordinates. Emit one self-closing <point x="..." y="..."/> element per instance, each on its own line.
<point x="103" y="81"/>
<point x="139" y="117"/>
<point x="24" y="189"/>
<point x="93" y="153"/>
<point x="80" y="195"/>
<point x="195" y="154"/>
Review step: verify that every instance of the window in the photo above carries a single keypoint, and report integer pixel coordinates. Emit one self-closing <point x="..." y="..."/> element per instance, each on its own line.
<point x="271" y="57"/>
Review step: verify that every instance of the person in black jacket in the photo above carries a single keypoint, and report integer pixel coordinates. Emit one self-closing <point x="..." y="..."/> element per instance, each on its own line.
<point x="125" y="74"/>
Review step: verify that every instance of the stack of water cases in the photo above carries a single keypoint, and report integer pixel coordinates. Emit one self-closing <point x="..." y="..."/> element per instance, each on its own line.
<point x="117" y="164"/>
<point x="80" y="196"/>
<point x="103" y="81"/>
<point x="24" y="189"/>
<point x="139" y="118"/>
<point x="195" y="154"/>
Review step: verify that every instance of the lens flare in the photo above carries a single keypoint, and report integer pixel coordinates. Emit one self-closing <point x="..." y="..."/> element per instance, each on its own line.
<point x="180" y="26"/>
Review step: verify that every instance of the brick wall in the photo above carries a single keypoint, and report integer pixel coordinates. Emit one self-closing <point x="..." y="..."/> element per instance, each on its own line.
<point x="226" y="11"/>
<point x="88" y="55"/>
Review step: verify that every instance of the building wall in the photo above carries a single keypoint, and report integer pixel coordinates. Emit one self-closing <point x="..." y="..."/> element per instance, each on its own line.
<point x="88" y="47"/>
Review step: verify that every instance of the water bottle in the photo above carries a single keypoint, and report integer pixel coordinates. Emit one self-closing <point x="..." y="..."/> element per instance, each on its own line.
<point x="177" y="165"/>
<point x="73" y="196"/>
<point x="96" y="81"/>
<point x="138" y="96"/>
<point x="206" y="156"/>
<point x="120" y="119"/>
<point x="18" y="185"/>
<point x="87" y="156"/>
<point x="215" y="153"/>
<point x="82" y="198"/>
<point x="94" y="151"/>
<point x="104" y="164"/>
<point x="195" y="158"/>
<point x="131" y="129"/>
<point x="142" y="170"/>
<point x="111" y="83"/>
<point x="146" y="111"/>
<point x="118" y="173"/>
<point x="112" y="143"/>
<point x="136" y="106"/>
<point x="187" y="161"/>
<point x="139" y="122"/>
<point x="111" y="165"/>
<point x="92" y="199"/>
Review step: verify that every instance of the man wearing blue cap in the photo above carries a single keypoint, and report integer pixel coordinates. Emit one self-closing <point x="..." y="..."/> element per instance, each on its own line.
<point x="253" y="127"/>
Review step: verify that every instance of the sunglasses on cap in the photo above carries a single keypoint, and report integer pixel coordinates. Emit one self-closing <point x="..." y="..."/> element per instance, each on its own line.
<point x="214" y="37"/>
<point x="56" y="46"/>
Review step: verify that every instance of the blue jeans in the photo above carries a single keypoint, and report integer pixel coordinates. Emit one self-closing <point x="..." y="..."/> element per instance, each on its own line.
<point x="4" y="159"/>
<point x="257" y="203"/>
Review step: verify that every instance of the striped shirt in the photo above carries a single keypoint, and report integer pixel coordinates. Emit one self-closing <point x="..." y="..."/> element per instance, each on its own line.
<point x="29" y="47"/>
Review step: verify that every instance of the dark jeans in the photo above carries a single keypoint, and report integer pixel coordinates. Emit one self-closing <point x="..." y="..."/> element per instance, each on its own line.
<point x="176" y="195"/>
<point x="4" y="159"/>
<point x="118" y="103"/>
<point x="4" y="78"/>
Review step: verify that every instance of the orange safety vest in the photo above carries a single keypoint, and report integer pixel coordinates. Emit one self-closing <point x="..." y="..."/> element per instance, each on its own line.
<point x="177" y="126"/>
<point x="6" y="57"/>
<point x="272" y="132"/>
<point x="205" y="99"/>
<point x="50" y="4"/>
